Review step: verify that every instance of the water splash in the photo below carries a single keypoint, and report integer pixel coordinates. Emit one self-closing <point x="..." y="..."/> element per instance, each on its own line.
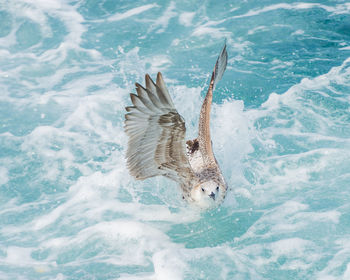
<point x="69" y="209"/>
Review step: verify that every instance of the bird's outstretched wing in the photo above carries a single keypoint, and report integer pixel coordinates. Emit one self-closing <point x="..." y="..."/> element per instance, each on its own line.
<point x="156" y="135"/>
<point x="204" y="119"/>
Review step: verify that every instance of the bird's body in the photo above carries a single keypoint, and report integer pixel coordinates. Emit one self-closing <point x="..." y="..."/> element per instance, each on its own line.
<point x="157" y="145"/>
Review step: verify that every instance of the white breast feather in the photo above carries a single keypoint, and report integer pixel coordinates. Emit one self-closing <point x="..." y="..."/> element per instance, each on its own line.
<point x="196" y="161"/>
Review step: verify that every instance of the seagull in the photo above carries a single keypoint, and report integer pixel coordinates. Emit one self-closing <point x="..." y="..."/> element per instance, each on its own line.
<point x="157" y="146"/>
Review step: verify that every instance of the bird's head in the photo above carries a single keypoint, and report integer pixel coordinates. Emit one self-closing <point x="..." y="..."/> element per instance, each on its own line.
<point x="208" y="194"/>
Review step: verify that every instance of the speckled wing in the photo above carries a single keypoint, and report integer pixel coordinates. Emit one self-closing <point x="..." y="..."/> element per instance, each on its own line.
<point x="156" y="133"/>
<point x="204" y="139"/>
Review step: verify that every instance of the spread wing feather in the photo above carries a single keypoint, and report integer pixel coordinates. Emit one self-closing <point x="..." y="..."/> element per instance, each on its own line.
<point x="156" y="135"/>
<point x="204" y="118"/>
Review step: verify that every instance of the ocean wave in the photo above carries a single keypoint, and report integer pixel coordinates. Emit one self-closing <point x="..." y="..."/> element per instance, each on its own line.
<point x="70" y="210"/>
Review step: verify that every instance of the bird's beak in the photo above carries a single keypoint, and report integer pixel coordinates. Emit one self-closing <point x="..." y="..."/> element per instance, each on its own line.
<point x="212" y="195"/>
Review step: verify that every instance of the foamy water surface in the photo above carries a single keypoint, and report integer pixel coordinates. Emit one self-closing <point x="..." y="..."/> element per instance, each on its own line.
<point x="280" y="128"/>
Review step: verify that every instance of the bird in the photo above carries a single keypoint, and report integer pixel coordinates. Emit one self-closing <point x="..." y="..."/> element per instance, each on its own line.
<point x="157" y="147"/>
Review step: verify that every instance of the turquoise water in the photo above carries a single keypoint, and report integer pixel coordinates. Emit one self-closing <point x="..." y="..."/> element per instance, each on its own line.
<point x="280" y="126"/>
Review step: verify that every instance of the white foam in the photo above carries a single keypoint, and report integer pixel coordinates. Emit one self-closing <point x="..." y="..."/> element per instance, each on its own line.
<point x="242" y="192"/>
<point x="4" y="178"/>
<point x="86" y="191"/>
<point x="327" y="217"/>
<point x="35" y="11"/>
<point x="231" y="136"/>
<point x="8" y="41"/>
<point x="338" y="261"/>
<point x="46" y="4"/>
<point x="38" y="12"/>
<point x="298" y="32"/>
<point x="161" y="23"/>
<point x="186" y="18"/>
<point x="18" y="255"/>
<point x="294" y="247"/>
<point x="257" y="29"/>
<point x="21" y="257"/>
<point x="101" y="215"/>
<point x="126" y="243"/>
<point x="337" y="9"/>
<point x="209" y="28"/>
<point x="346" y="274"/>
<point x="168" y="264"/>
<point x="131" y="12"/>
<point x="278" y="221"/>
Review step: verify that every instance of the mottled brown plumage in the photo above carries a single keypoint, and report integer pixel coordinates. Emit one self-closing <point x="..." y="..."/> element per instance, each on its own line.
<point x="157" y="146"/>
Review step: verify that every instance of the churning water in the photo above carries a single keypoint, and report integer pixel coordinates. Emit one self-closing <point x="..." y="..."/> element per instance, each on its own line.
<point x="280" y="127"/>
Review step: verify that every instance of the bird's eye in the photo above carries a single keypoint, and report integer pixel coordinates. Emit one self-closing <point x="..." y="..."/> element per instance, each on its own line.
<point x="202" y="190"/>
<point x="217" y="188"/>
